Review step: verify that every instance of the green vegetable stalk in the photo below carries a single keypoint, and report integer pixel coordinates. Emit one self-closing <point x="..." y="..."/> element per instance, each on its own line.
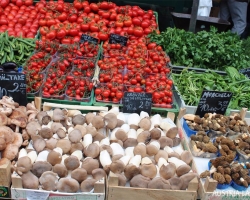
<point x="14" y="49"/>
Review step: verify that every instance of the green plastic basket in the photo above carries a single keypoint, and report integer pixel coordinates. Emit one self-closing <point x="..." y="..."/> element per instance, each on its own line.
<point x="156" y="19"/>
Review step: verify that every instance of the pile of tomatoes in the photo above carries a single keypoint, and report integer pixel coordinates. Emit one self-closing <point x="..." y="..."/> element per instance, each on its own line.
<point x="20" y="17"/>
<point x="140" y="67"/>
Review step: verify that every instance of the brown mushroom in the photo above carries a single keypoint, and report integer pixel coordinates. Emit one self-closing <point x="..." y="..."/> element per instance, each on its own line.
<point x="176" y="183"/>
<point x="98" y="174"/>
<point x="139" y="181"/>
<point x="133" y="168"/>
<point x="148" y="169"/>
<point x="98" y="122"/>
<point x="49" y="181"/>
<point x="61" y="170"/>
<point x="110" y="120"/>
<point x="68" y="185"/>
<point x="30" y="181"/>
<point x="89" y="164"/>
<point x="71" y="162"/>
<point x="78" y="119"/>
<point x="79" y="174"/>
<point x="64" y="144"/>
<point x="46" y="133"/>
<point x="24" y="165"/>
<point x="145" y="123"/>
<point x="75" y="136"/>
<point x="159" y="183"/>
<point x="40" y="167"/>
<point x="88" y="185"/>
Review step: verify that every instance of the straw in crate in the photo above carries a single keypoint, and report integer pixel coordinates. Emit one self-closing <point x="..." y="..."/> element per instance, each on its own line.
<point x="78" y="88"/>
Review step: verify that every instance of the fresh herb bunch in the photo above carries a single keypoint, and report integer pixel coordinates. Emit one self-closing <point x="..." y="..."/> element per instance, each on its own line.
<point x="209" y="50"/>
<point x="191" y="84"/>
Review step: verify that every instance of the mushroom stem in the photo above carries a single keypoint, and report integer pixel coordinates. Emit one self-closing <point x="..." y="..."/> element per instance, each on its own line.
<point x="78" y="154"/>
<point x="129" y="151"/>
<point x="125" y="159"/>
<point x="176" y="161"/>
<point x="117" y="149"/>
<point x="87" y="140"/>
<point x="42" y="156"/>
<point x="33" y="156"/>
<point x="136" y="160"/>
<point x="105" y="158"/>
<point x="162" y="161"/>
<point x="22" y="153"/>
<point x="105" y="141"/>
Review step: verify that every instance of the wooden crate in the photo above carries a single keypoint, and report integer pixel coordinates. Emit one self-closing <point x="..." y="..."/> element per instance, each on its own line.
<point x="115" y="192"/>
<point x="5" y="178"/>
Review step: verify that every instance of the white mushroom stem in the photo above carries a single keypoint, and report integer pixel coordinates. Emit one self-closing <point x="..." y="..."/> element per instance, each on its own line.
<point x="125" y="127"/>
<point x="132" y="134"/>
<point x="168" y="149"/>
<point x="122" y="117"/>
<point x="158" y="171"/>
<point x="155" y="120"/>
<point x="136" y="160"/>
<point x="213" y="169"/>
<point x="105" y="141"/>
<point x="178" y="149"/>
<point x="112" y="135"/>
<point x="117" y="149"/>
<point x="70" y="129"/>
<point x="146" y="161"/>
<point x="133" y="118"/>
<point x="114" y="110"/>
<point x="22" y="153"/>
<point x="63" y="158"/>
<point x="139" y="131"/>
<point x="129" y="151"/>
<point x="162" y="161"/>
<point x="50" y="113"/>
<point x="125" y="160"/>
<point x="55" y="136"/>
<point x="143" y="114"/>
<point x="42" y="156"/>
<point x="58" y="150"/>
<point x="162" y="132"/>
<point x="156" y="144"/>
<point x="87" y="140"/>
<point x="176" y="161"/>
<point x="105" y="158"/>
<point x="78" y="154"/>
<point x="33" y="156"/>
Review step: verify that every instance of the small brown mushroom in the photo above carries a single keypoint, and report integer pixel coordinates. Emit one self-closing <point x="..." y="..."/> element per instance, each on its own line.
<point x="64" y="144"/>
<point x="55" y="156"/>
<point x="92" y="150"/>
<point x="78" y="119"/>
<point x="79" y="174"/>
<point x="98" y="174"/>
<point x="58" y="115"/>
<point x="39" y="145"/>
<point x="148" y="169"/>
<point x="30" y="181"/>
<point x="139" y="181"/>
<point x="98" y="122"/>
<point x="49" y="181"/>
<point x="61" y="170"/>
<point x="155" y="133"/>
<point x="166" y="170"/>
<point x="75" y="136"/>
<point x="68" y="185"/>
<point x="161" y="154"/>
<point x="40" y="167"/>
<point x="71" y="162"/>
<point x="46" y="133"/>
<point x="145" y="123"/>
<point x="88" y="185"/>
<point x="89" y="164"/>
<point x="176" y="183"/>
<point x="24" y="165"/>
<point x="110" y="120"/>
<point x="159" y="183"/>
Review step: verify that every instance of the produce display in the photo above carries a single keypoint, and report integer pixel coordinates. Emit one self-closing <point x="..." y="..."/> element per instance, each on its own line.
<point x="190" y="85"/>
<point x="15" y="49"/>
<point x="205" y="49"/>
<point x="137" y="67"/>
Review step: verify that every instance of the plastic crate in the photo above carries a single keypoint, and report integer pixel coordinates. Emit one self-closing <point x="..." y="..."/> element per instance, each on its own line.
<point x="156" y="18"/>
<point x="90" y="103"/>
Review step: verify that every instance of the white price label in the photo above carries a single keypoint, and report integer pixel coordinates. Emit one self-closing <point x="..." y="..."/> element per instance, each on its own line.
<point x="33" y="195"/>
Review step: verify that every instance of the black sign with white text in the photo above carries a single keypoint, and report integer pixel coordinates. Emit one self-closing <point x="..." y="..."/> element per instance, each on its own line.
<point x="118" y="39"/>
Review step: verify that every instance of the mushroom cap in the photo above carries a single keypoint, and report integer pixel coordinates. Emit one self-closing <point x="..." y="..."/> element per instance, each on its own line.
<point x="68" y="185"/>
<point x="75" y="136"/>
<point x="79" y="174"/>
<point x="140" y="149"/>
<point x="165" y="141"/>
<point x="117" y="167"/>
<point x="159" y="183"/>
<point x="2" y="143"/>
<point x="87" y="185"/>
<point x="155" y="134"/>
<point x="89" y="116"/>
<point x="148" y="170"/>
<point x="110" y="120"/>
<point x="40" y="167"/>
<point x="23" y="165"/>
<point x="152" y="149"/>
<point x="32" y="127"/>
<point x="91" y="129"/>
<point x="176" y="183"/>
<point x="121" y="135"/>
<point x="144" y="136"/>
<point x="89" y="164"/>
<point x="51" y="143"/>
<point x="107" y="148"/>
<point x="183" y="169"/>
<point x="64" y="144"/>
<point x="176" y="141"/>
<point x="49" y="181"/>
<point x="10" y="151"/>
<point x="39" y="145"/>
<point x="58" y="115"/>
<point x="6" y="133"/>
<point x="145" y="123"/>
<point x="61" y="170"/>
<point x="78" y="119"/>
<point x="161" y="154"/>
<point x="81" y="128"/>
<point x="19" y="117"/>
<point x="71" y="162"/>
<point x="30" y="181"/>
<point x="186" y="178"/>
<point x="54" y="158"/>
<point x="139" y="181"/>
<point x="98" y="122"/>
<point x="167" y="171"/>
<point x="76" y="146"/>
<point x="92" y="150"/>
<point x="131" y="170"/>
<point x="61" y="132"/>
<point x="98" y="174"/>
<point x="187" y="157"/>
<point x="130" y="142"/>
<point x="46" y="133"/>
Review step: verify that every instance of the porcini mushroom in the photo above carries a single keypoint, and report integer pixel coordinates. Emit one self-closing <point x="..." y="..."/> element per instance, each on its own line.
<point x="79" y="174"/>
<point x="110" y="120"/>
<point x="148" y="169"/>
<point x="87" y="185"/>
<point x="169" y="127"/>
<point x="166" y="170"/>
<point x="30" y="181"/>
<point x="159" y="183"/>
<point x="139" y="181"/>
<point x="181" y="167"/>
<point x="133" y="168"/>
<point x="98" y="174"/>
<point x="68" y="185"/>
<point x="118" y="166"/>
<point x="61" y="170"/>
<point x="89" y="164"/>
<point x="49" y="181"/>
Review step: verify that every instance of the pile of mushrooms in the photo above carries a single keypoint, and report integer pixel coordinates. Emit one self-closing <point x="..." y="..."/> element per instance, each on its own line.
<point x="219" y="124"/>
<point x="242" y="143"/>
<point x="13" y="121"/>
<point x="69" y="151"/>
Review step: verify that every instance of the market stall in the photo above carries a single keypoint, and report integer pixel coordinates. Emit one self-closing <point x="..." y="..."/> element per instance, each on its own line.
<point x="94" y="101"/>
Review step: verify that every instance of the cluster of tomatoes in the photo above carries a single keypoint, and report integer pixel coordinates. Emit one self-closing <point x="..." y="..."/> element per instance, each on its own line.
<point x="34" y="82"/>
<point x="66" y="22"/>
<point x="20" y="17"/>
<point x="78" y="88"/>
<point x="141" y="67"/>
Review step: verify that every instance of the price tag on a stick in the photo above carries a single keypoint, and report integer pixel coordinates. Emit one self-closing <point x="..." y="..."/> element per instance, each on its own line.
<point x="213" y="102"/>
<point x="134" y="102"/>
<point x="118" y="39"/>
<point x="88" y="38"/>
<point x="13" y="85"/>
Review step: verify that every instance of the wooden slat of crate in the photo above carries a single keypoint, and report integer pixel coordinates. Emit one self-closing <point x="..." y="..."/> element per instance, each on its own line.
<point x="5" y="172"/>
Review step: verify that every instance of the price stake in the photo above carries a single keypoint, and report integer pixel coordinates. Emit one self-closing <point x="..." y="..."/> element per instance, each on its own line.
<point x="246" y="72"/>
<point x="118" y="39"/>
<point x="87" y="38"/>
<point x="213" y="102"/>
<point x="134" y="102"/>
<point x="13" y="85"/>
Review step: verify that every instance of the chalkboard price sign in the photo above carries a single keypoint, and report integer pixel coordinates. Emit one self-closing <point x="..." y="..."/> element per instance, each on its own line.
<point x="134" y="102"/>
<point x="13" y="85"/>
<point x="246" y="72"/>
<point x="87" y="38"/>
<point x="213" y="102"/>
<point x="118" y="39"/>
